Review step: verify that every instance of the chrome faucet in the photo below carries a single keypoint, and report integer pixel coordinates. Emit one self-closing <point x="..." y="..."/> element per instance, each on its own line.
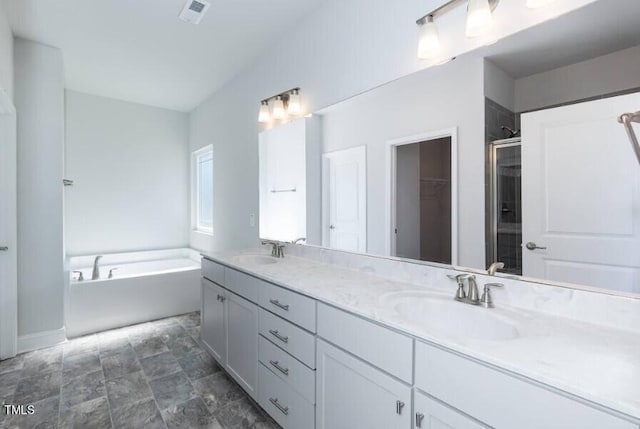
<point x="277" y="249"/>
<point x="95" y="275"/>
<point x="472" y="296"/>
<point x="297" y="240"/>
<point x="493" y="268"/>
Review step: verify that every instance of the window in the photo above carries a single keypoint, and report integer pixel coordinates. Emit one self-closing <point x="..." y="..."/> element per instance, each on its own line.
<point x="202" y="189"/>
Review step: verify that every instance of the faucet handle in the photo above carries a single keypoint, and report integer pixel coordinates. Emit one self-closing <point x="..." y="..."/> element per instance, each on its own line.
<point x="486" y="300"/>
<point x="460" y="278"/>
<point x="111" y="272"/>
<point x="80" y="276"/>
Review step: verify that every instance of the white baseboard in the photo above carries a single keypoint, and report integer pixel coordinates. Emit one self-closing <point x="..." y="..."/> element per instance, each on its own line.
<point x="39" y="340"/>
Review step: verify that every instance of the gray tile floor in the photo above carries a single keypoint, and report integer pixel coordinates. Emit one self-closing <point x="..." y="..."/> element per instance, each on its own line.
<point x="151" y="375"/>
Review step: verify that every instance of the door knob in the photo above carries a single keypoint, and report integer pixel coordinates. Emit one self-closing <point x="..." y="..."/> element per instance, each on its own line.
<point x="533" y="246"/>
<point x="3" y="248"/>
<point x="332" y="227"/>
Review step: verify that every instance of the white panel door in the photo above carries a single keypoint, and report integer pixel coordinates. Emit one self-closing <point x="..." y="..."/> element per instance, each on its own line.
<point x="345" y="188"/>
<point x="242" y="342"/>
<point x="353" y="395"/>
<point x="581" y="195"/>
<point x="213" y="330"/>
<point x="8" y="229"/>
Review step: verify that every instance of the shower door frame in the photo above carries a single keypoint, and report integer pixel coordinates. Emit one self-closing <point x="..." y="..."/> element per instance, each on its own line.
<point x="493" y="189"/>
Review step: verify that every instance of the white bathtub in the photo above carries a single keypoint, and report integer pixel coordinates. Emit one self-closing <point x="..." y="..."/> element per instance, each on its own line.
<point x="145" y="286"/>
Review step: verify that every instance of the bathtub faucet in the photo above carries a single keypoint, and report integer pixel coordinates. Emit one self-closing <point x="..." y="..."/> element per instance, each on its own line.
<point x="95" y="275"/>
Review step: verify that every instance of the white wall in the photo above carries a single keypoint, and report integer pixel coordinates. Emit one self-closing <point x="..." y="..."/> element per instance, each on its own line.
<point x="499" y="86"/>
<point x="39" y="100"/>
<point x="610" y="73"/>
<point x="428" y="101"/>
<point x="408" y="201"/>
<point x="342" y="49"/>
<point x="130" y="167"/>
<point x="6" y="54"/>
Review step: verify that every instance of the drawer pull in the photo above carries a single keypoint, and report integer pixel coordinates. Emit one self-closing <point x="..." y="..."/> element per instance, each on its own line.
<point x="276" y="365"/>
<point x="399" y="407"/>
<point x="278" y="304"/>
<point x="283" y="410"/>
<point x="221" y="298"/>
<point x="276" y="334"/>
<point x="419" y="419"/>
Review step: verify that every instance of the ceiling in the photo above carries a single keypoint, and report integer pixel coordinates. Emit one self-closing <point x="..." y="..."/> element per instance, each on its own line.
<point x="592" y="31"/>
<point x="140" y="51"/>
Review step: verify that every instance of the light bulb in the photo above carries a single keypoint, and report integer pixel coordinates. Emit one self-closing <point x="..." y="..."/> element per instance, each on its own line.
<point x="534" y="4"/>
<point x="479" y="18"/>
<point x="294" y="107"/>
<point x="278" y="109"/>
<point x="429" y="43"/>
<point x="264" y="115"/>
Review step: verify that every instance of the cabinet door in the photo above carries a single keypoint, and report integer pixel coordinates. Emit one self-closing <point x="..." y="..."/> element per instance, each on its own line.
<point x="351" y="394"/>
<point x="431" y="414"/>
<point x="242" y="342"/>
<point x="213" y="320"/>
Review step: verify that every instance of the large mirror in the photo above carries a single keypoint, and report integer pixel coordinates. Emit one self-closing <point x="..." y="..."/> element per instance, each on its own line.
<point x="510" y="153"/>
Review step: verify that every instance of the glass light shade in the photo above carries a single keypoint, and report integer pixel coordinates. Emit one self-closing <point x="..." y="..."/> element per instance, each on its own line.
<point x="534" y="4"/>
<point x="264" y="115"/>
<point x="429" y="43"/>
<point x="479" y="18"/>
<point x="278" y="109"/>
<point x="294" y="107"/>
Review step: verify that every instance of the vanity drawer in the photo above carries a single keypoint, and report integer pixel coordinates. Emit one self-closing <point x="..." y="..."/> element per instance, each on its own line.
<point x="289" y="337"/>
<point x="388" y="350"/>
<point x="289" y="305"/>
<point x="288" y="369"/>
<point x="243" y="284"/>
<point x="213" y="271"/>
<point x="501" y="400"/>
<point x="288" y="408"/>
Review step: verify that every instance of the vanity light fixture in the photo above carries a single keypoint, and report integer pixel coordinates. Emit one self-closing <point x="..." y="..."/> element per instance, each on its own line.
<point x="429" y="43"/>
<point x="479" y="18"/>
<point x="479" y="23"/>
<point x="264" y="115"/>
<point x="282" y="106"/>
<point x="293" y="107"/>
<point x="278" y="108"/>
<point x="535" y="4"/>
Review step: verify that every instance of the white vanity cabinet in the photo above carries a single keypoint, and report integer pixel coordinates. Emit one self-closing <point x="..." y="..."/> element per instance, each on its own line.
<point x="213" y="325"/>
<point x="429" y="413"/>
<point x="230" y="324"/>
<point x="502" y="400"/>
<point x="287" y="355"/>
<point x="368" y="384"/>
<point x="352" y="394"/>
<point x="242" y="341"/>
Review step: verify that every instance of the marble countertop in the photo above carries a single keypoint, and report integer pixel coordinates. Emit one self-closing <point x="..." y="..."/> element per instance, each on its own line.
<point x="596" y="363"/>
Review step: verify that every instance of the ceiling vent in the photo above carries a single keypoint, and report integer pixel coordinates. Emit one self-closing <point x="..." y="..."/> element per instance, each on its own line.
<point x="194" y="10"/>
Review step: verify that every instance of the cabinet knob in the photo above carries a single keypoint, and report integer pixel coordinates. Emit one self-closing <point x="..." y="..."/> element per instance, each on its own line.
<point x="221" y="298"/>
<point x="399" y="407"/>
<point x="419" y="419"/>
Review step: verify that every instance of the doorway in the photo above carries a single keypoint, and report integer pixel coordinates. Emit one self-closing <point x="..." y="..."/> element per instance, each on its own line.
<point x="423" y="198"/>
<point x="8" y="230"/>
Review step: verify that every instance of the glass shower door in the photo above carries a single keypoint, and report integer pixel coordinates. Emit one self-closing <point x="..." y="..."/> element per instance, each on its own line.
<point x="507" y="204"/>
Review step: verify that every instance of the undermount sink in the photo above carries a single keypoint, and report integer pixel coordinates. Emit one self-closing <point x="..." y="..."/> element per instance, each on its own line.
<point x="445" y="316"/>
<point x="258" y="259"/>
